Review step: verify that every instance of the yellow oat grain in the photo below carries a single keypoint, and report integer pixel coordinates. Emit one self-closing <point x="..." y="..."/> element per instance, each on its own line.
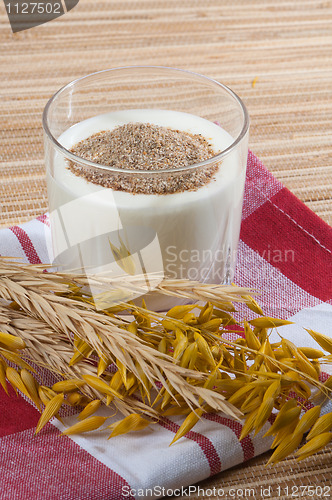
<point x="188" y="424"/>
<point x="3" y="367"/>
<point x="103" y="363"/>
<point x="101" y="385"/>
<point x="253" y="305"/>
<point x="314" y="445"/>
<point x="323" y="424"/>
<point x="31" y="385"/>
<point x="206" y="313"/>
<point x="51" y="409"/>
<point x="263" y="414"/>
<point x="204" y="349"/>
<point x="249" y="424"/>
<point x="11" y="341"/>
<point x="74" y="398"/>
<point x="252" y="340"/>
<point x="323" y="340"/>
<point x="162" y="346"/>
<point x="267" y="322"/>
<point x="68" y="385"/>
<point x="307" y="420"/>
<point x="283" y="420"/>
<point x="272" y="391"/>
<point x="15" y="379"/>
<point x="87" y="425"/>
<point x="178" y="312"/>
<point x="189" y="356"/>
<point x="83" y="351"/>
<point x="180" y="344"/>
<point x="311" y="353"/>
<point x="90" y="409"/>
<point x="133" y="422"/>
<point x="285" y="448"/>
<point x="14" y="358"/>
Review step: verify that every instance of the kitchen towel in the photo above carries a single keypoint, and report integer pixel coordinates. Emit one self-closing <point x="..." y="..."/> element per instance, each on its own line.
<point x="285" y="252"/>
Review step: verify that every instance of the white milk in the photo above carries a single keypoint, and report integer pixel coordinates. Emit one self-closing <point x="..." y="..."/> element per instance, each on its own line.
<point x="191" y="234"/>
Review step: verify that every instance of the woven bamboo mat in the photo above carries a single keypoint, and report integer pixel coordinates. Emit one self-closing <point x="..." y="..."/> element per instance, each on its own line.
<point x="284" y="46"/>
<point x="276" y="55"/>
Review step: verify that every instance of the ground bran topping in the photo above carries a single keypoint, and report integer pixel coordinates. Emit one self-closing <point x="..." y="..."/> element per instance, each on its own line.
<point x="143" y="146"/>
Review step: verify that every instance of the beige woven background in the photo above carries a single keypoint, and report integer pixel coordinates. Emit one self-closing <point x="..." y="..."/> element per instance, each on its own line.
<point x="285" y="46"/>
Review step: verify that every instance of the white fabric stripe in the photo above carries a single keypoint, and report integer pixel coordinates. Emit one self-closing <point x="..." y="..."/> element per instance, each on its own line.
<point x="10" y="246"/>
<point x="40" y="236"/>
<point x="224" y="440"/>
<point x="144" y="459"/>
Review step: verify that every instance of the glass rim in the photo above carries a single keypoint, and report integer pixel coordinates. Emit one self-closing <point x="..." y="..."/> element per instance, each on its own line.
<point x="206" y="163"/>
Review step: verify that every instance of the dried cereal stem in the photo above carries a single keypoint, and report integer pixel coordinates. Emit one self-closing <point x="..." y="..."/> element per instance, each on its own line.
<point x="153" y="365"/>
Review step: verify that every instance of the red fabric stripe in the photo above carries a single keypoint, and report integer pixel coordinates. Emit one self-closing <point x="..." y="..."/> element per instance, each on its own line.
<point x="26" y="244"/>
<point x="44" y="219"/>
<point x="205" y="444"/>
<point x="324" y="376"/>
<point x="16" y="414"/>
<point x="238" y="330"/>
<point x="49" y="466"/>
<point x="288" y="235"/>
<point x="299" y="213"/>
<point x="306" y="404"/>
<point x="246" y="443"/>
<point x="260" y="185"/>
<point x="272" y="418"/>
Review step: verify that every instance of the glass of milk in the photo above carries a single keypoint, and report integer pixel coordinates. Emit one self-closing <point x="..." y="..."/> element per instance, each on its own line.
<point x="120" y="237"/>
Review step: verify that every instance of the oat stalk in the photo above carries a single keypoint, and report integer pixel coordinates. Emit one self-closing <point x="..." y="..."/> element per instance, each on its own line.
<point x="150" y="365"/>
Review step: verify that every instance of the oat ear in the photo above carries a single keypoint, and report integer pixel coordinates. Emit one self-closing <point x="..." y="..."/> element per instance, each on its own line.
<point x="183" y="355"/>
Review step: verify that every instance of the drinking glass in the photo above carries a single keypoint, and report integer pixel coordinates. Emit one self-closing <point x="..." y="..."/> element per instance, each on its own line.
<point x="136" y="239"/>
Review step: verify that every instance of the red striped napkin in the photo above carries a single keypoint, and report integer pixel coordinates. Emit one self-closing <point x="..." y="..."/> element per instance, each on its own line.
<point x="285" y="251"/>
